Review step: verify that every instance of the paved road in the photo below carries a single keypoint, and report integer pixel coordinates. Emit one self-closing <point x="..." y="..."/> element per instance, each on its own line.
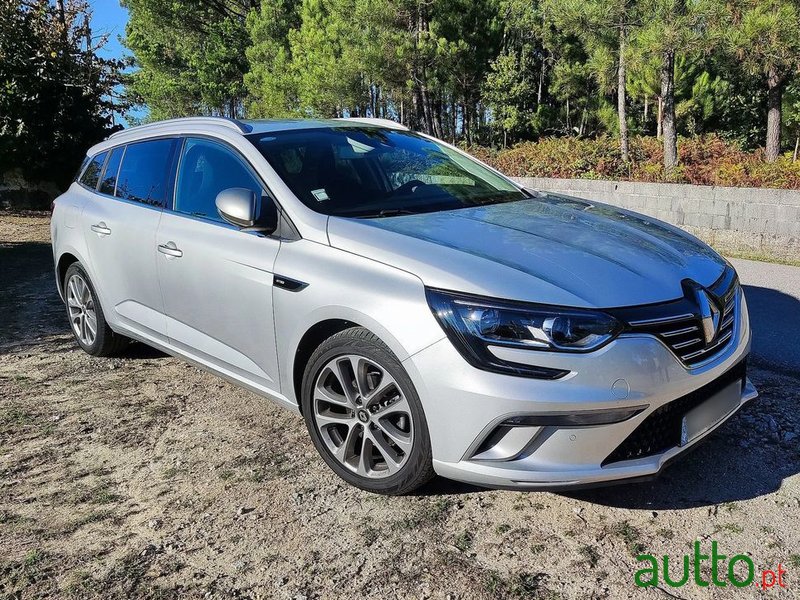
<point x="773" y="297"/>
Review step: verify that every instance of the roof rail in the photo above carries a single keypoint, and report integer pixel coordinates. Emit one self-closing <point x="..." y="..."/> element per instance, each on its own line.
<point x="388" y="123"/>
<point x="237" y="126"/>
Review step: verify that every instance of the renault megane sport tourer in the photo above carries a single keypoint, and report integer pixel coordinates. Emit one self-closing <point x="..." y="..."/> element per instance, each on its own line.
<point x="423" y="313"/>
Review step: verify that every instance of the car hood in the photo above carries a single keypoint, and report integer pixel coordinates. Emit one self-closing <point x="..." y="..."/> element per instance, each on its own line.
<point x="550" y="249"/>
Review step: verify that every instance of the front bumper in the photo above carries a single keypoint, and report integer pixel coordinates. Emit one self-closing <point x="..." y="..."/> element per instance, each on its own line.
<point x="464" y="407"/>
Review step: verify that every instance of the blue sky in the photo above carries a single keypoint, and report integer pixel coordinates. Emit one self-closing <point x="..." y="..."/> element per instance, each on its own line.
<point x="108" y="17"/>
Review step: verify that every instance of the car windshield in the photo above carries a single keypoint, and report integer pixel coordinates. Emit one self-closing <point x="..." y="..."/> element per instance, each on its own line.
<point x="376" y="172"/>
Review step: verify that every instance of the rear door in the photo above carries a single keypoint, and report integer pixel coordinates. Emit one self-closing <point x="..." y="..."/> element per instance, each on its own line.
<point x="120" y="223"/>
<point x="217" y="279"/>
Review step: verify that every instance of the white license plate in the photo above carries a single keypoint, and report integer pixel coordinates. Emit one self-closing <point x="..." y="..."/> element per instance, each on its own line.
<point x="702" y="418"/>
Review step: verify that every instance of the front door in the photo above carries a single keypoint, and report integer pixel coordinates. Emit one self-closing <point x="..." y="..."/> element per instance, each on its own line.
<point x="216" y="279"/>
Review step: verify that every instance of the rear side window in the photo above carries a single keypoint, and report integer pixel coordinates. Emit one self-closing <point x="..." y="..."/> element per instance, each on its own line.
<point x="207" y="168"/>
<point x="91" y="174"/>
<point x="145" y="172"/>
<point x="109" y="179"/>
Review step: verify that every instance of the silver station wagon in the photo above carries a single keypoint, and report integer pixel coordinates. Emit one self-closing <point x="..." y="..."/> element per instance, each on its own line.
<point x="422" y="312"/>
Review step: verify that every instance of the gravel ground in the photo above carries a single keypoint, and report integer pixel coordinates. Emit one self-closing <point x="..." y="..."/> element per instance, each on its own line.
<point x="142" y="476"/>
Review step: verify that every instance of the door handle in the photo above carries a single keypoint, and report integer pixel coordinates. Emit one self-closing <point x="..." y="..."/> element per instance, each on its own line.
<point x="101" y="229"/>
<point x="170" y="249"/>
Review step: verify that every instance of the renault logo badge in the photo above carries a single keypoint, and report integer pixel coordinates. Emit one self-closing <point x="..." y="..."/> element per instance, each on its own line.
<point x="709" y="314"/>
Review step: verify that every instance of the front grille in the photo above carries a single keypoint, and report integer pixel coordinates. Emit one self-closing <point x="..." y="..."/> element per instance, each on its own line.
<point x="661" y="430"/>
<point x="679" y="323"/>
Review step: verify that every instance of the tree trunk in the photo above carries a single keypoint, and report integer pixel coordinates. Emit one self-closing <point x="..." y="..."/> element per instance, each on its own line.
<point x="774" y="98"/>
<point x="621" y="81"/>
<point x="660" y="118"/>
<point x="646" y="106"/>
<point x="541" y="83"/>
<point x="438" y="122"/>
<point x="796" y="148"/>
<point x="454" y="115"/>
<point x="668" y="111"/>
<point x="467" y="116"/>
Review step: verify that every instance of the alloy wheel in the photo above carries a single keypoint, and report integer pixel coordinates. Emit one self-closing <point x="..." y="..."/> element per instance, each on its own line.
<point x="81" y="306"/>
<point x="363" y="417"/>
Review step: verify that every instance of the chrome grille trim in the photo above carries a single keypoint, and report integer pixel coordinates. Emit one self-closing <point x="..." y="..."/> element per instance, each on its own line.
<point x="680" y="331"/>
<point x="707" y="349"/>
<point x="677" y="324"/>
<point x="661" y="320"/>
<point x="680" y="345"/>
<point x="726" y="323"/>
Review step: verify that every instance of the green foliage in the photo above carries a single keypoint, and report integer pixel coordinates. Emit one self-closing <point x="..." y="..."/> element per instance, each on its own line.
<point x="763" y="34"/>
<point x="494" y="72"/>
<point x="271" y="84"/>
<point x="54" y="88"/>
<point x="705" y="160"/>
<point x="190" y="54"/>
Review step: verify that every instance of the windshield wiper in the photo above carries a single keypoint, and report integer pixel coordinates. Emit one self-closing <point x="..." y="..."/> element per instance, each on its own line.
<point x="387" y="212"/>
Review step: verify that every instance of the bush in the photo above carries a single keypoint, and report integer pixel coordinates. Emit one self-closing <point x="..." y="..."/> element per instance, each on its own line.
<point x="704" y="160"/>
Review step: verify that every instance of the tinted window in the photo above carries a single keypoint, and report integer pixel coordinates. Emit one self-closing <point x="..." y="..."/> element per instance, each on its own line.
<point x="207" y="168"/>
<point x="144" y="174"/>
<point x="372" y="172"/>
<point x="91" y="175"/>
<point x="109" y="180"/>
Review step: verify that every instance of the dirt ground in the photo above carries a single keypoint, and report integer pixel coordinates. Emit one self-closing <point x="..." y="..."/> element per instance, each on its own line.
<point x="142" y="476"/>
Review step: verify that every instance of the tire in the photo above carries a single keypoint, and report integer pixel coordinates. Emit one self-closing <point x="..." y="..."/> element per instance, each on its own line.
<point x="371" y="431"/>
<point x="84" y="311"/>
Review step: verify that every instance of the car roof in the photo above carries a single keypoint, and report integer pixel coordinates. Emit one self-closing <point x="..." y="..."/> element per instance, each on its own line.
<point x="246" y="126"/>
<point x="242" y="127"/>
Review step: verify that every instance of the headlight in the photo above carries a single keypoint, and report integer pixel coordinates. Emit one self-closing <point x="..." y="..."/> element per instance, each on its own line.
<point x="474" y="324"/>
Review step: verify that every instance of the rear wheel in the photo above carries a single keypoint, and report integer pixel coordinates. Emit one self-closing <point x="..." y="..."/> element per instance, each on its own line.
<point x="364" y="415"/>
<point x="86" y="316"/>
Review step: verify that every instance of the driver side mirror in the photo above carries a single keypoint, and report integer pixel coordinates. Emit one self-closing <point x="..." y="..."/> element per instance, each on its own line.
<point x="238" y="207"/>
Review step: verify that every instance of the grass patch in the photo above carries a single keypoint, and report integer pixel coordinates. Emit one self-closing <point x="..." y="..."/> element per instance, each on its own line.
<point x="99" y="494"/>
<point x="666" y="534"/>
<point x="590" y="555"/>
<point x="503" y="528"/>
<point x="761" y="257"/>
<point x="794" y="561"/>
<point x="104" y="496"/>
<point x="430" y="513"/>
<point x="16" y="576"/>
<point x="464" y="541"/>
<point x="520" y="585"/>
<point x="13" y="418"/>
<point x="10" y="518"/>
<point x="729" y="528"/>
<point x="630" y="535"/>
<point x="33" y="558"/>
<point x="97" y="516"/>
<point x="370" y="535"/>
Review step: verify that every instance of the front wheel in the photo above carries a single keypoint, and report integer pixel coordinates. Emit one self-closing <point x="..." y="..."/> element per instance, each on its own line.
<point x="364" y="415"/>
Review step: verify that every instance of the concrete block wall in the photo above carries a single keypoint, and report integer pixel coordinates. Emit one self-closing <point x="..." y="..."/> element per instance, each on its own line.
<point x="751" y="221"/>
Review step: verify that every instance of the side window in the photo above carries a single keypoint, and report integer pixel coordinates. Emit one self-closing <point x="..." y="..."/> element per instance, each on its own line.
<point x="144" y="173"/>
<point x="109" y="180"/>
<point x="91" y="174"/>
<point x="207" y="168"/>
